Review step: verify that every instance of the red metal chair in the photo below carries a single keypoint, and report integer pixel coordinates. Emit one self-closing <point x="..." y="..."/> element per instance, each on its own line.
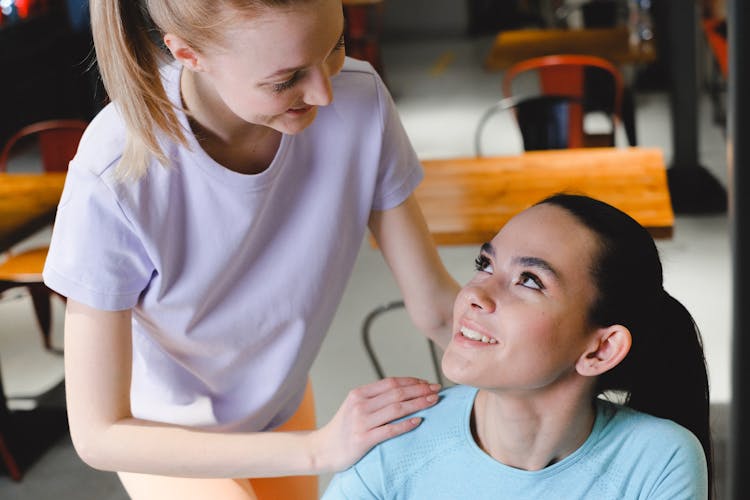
<point x="542" y="120"/>
<point x="58" y="141"/>
<point x="364" y="19"/>
<point x="594" y="82"/>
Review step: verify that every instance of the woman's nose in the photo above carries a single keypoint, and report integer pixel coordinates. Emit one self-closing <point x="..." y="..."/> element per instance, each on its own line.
<point x="319" y="91"/>
<point x="479" y="298"/>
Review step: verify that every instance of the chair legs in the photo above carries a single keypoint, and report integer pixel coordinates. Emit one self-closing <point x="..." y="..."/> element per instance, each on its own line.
<point x="10" y="463"/>
<point x="5" y="455"/>
<point x="25" y="435"/>
<point x="41" y="297"/>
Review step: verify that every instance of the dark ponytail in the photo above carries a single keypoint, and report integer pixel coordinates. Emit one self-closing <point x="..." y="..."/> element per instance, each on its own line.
<point x="664" y="374"/>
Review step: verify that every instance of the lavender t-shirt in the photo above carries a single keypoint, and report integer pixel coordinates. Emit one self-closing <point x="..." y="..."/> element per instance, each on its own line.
<point x="233" y="279"/>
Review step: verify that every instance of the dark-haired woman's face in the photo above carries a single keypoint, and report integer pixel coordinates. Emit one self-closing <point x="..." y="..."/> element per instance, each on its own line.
<point x="521" y="323"/>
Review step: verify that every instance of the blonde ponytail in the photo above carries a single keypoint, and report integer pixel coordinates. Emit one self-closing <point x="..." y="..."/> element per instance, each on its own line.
<point x="129" y="63"/>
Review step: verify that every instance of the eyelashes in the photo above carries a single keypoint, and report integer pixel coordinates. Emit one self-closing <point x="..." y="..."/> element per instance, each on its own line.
<point x="530" y="280"/>
<point x="482" y="263"/>
<point x="526" y="279"/>
<point x="281" y="87"/>
<point x="341" y="43"/>
<point x="296" y="77"/>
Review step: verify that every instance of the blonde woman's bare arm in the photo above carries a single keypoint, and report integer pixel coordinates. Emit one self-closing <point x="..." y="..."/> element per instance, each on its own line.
<point x="98" y="358"/>
<point x="407" y="246"/>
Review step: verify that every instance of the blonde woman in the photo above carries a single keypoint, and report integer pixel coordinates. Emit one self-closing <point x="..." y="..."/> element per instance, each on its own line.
<point x="210" y="221"/>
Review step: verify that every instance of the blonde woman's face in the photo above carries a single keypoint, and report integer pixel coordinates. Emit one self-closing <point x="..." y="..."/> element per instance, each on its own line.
<point x="277" y="66"/>
<point x="521" y="323"/>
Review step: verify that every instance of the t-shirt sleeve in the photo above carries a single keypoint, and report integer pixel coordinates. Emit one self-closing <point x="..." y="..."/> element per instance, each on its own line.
<point x="95" y="255"/>
<point x="685" y="475"/>
<point x="400" y="170"/>
<point x="349" y="485"/>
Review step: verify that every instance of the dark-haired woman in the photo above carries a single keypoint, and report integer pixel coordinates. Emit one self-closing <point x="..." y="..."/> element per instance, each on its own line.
<point x="566" y="306"/>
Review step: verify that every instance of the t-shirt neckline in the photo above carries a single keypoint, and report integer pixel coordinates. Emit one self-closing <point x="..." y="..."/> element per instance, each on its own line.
<point x="563" y="464"/>
<point x="202" y="160"/>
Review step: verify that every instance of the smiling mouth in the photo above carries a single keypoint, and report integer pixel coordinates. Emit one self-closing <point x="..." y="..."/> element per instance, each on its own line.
<point x="302" y="109"/>
<point x="474" y="335"/>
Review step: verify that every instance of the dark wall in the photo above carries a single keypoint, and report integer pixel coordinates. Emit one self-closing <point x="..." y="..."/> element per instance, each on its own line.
<point x="44" y="72"/>
<point x="412" y="19"/>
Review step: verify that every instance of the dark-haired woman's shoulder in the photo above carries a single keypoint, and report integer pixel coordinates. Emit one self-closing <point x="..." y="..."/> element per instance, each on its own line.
<point x="389" y="469"/>
<point x="659" y="458"/>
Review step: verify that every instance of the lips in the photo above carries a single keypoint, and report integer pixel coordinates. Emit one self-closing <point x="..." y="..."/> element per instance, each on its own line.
<point x="300" y="110"/>
<point x="470" y="334"/>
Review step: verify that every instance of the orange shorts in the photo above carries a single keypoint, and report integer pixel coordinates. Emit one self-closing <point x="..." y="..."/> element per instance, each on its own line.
<point x="150" y="487"/>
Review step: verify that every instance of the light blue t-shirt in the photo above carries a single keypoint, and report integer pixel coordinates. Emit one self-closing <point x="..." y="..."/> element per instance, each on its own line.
<point x="628" y="455"/>
<point x="233" y="279"/>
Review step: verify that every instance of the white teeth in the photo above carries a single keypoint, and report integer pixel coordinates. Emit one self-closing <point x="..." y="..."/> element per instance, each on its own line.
<point x="470" y="334"/>
<point x="474" y="335"/>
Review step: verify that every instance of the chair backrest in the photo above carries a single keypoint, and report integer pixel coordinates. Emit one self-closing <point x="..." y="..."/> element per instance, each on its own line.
<point x="543" y="121"/>
<point x="411" y="355"/>
<point x="596" y="82"/>
<point x="58" y="141"/>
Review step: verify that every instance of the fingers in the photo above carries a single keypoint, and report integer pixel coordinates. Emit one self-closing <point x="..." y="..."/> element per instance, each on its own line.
<point x="389" y="431"/>
<point x="386" y="384"/>
<point x="393" y="398"/>
<point x="389" y="399"/>
<point x="401" y="394"/>
<point x="367" y="417"/>
<point x="400" y="409"/>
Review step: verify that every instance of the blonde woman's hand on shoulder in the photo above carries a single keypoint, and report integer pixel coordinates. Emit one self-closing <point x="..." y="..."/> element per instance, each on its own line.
<point x="366" y="418"/>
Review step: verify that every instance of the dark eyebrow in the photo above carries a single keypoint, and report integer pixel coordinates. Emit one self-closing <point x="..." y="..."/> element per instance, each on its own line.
<point x="537" y="263"/>
<point x="488" y="249"/>
<point x="287" y="71"/>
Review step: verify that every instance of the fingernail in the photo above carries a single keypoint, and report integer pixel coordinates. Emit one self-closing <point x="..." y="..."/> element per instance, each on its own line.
<point x="415" y="420"/>
<point x="432" y="398"/>
<point x="435" y="387"/>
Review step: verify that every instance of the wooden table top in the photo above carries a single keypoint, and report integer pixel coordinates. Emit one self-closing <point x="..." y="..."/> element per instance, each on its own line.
<point x="28" y="202"/>
<point x="612" y="44"/>
<point x="467" y="200"/>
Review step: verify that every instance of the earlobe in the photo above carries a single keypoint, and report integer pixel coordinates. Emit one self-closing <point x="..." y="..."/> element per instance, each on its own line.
<point x="609" y="347"/>
<point x="182" y="52"/>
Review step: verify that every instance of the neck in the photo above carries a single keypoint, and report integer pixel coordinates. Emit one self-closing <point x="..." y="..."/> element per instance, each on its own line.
<point x="531" y="433"/>
<point x="231" y="141"/>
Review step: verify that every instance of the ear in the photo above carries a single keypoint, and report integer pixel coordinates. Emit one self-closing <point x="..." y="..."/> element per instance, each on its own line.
<point x="608" y="348"/>
<point x="182" y="52"/>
